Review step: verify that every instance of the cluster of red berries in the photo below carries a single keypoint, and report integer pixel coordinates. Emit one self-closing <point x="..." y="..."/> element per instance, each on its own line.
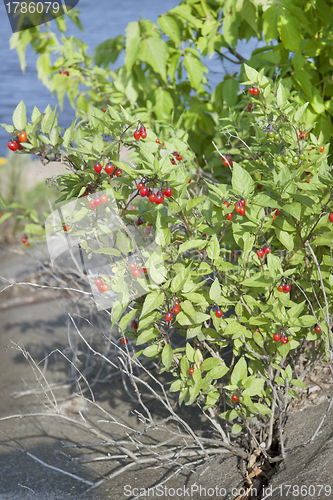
<point x="16" y="145"/>
<point x="253" y="90"/>
<point x="141" y="132"/>
<point x="157" y="198"/>
<point x="265" y="250"/>
<point x="302" y="134"/>
<point x="177" y="156"/>
<point x="274" y="212"/>
<point x="25" y="240"/>
<point x="136" y="271"/>
<point x="283" y="338"/>
<point x="175" y="309"/>
<point x="239" y="208"/>
<point x="96" y="202"/>
<point x="227" y="160"/>
<point x="109" y="169"/>
<point x="158" y="142"/>
<point x="102" y="287"/>
<point x="284" y="288"/>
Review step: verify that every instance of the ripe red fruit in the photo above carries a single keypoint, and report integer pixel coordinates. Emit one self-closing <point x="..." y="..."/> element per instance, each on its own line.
<point x="219" y="313"/>
<point x="143" y="133"/>
<point x="242" y="202"/>
<point x="230" y="216"/>
<point x="140" y="186"/>
<point x="66" y="227"/>
<point x="132" y="266"/>
<point x="250" y="90"/>
<point x="255" y="91"/>
<point x="152" y="198"/>
<point x="98" y="282"/>
<point x="237" y="207"/>
<point x="176" y="310"/>
<point x="134" y="325"/>
<point x="242" y="211"/>
<point x="137" y="135"/>
<point x="281" y="288"/>
<point x="318" y="329"/>
<point x="168" y="192"/>
<point x="106" y="288"/>
<point x="26" y="243"/>
<point x="276" y="337"/>
<point x="118" y="172"/>
<point x="144" y="270"/>
<point x="330" y="217"/>
<point x="159" y="199"/>
<point x="136" y="273"/>
<point x="189" y="181"/>
<point x="267" y="250"/>
<point x="179" y="157"/>
<point x="92" y="204"/>
<point x="12" y="146"/>
<point x="234" y="397"/>
<point x="97" y="202"/>
<point x="286" y="288"/>
<point x="191" y="371"/>
<point x="147" y="231"/>
<point x="284" y="340"/>
<point x="65" y="73"/>
<point x="139" y="222"/>
<point x="177" y="303"/>
<point x="322" y="149"/>
<point x="168" y="317"/>
<point x="144" y="192"/>
<point x="277" y="212"/>
<point x="226" y="204"/>
<point x="158" y="142"/>
<point x="23" y="137"/>
<point x="103" y="198"/>
<point x="249" y="107"/>
<point x="173" y="161"/>
<point x="124" y="340"/>
<point x="260" y="253"/>
<point x="109" y="168"/>
<point x="101" y="289"/>
<point x="98" y="168"/>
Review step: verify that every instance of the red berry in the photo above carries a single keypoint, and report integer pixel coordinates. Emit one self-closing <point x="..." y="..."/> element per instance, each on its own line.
<point x="65" y="73"/>
<point x="134" y="325"/>
<point x="143" y="133"/>
<point x="250" y="90"/>
<point x="147" y="231"/>
<point x="106" y="288"/>
<point x="281" y="288"/>
<point x="242" y="211"/>
<point x="144" y="192"/>
<point x="144" y="270"/>
<point x="257" y="330"/>
<point x="219" y="313"/>
<point x="97" y="202"/>
<point x="175" y="153"/>
<point x="260" y="253"/>
<point x="139" y="222"/>
<point x="284" y="340"/>
<point x="277" y="212"/>
<point x="286" y="288"/>
<point x="226" y="204"/>
<point x="103" y="198"/>
<point x="109" y="168"/>
<point x="267" y="250"/>
<point x="23" y="137"/>
<point x="189" y="181"/>
<point x="168" y="192"/>
<point x="132" y="266"/>
<point x="234" y="397"/>
<point x="159" y="199"/>
<point x="98" y="168"/>
<point x="177" y="303"/>
<point x="276" y="337"/>
<point x="230" y="216"/>
<point x="243" y="203"/>
<point x="249" y="107"/>
<point x="137" y="135"/>
<point x="158" y="142"/>
<point x="176" y="310"/>
<point x="318" y="329"/>
<point x="191" y="371"/>
<point x="101" y="289"/>
<point x="152" y="198"/>
<point x="124" y="340"/>
<point x="255" y="91"/>
<point x="331" y="217"/>
<point x="237" y="207"/>
<point x="173" y="161"/>
<point x="98" y="282"/>
<point x="26" y="243"/>
<point x="12" y="146"/>
<point x="92" y="204"/>
<point x="168" y="317"/>
<point x="322" y="149"/>
<point x="140" y="186"/>
<point x="66" y="227"/>
<point x="179" y="157"/>
<point x="118" y="172"/>
<point x="136" y="273"/>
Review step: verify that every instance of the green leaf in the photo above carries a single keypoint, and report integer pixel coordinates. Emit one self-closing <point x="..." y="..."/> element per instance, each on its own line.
<point x="125" y="320"/>
<point x="215" y="291"/>
<point x="108" y="251"/>
<point x="285" y="238"/>
<point x="300" y="112"/>
<point x="230" y="92"/>
<point x="151" y="351"/>
<point x="213" y="248"/>
<point x="20" y="116"/>
<point x="195" y="70"/>
<point x="293" y="209"/>
<point x="262" y="409"/>
<point x="189" y="352"/>
<point x="281" y="95"/>
<point x="122" y="242"/>
<point x="218" y="372"/>
<point x="176" y="385"/>
<point x="254" y="387"/>
<point x="145" y="336"/>
<point x="190" y="245"/>
<point x="242" y="182"/>
<point x="167" y="355"/>
<point x="164" y="103"/>
<point x="251" y="73"/>
<point x="155" y="52"/>
<point x="210" y="363"/>
<point x="133" y="40"/>
<point x="152" y="301"/>
<point x="239" y="372"/>
<point x="236" y="428"/>
<point x="5" y="216"/>
<point x="298" y="383"/>
<point x="289" y="30"/>
<point x="170" y="27"/>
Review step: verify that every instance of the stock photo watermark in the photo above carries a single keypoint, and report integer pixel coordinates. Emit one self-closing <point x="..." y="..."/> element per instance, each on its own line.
<point x="27" y="15"/>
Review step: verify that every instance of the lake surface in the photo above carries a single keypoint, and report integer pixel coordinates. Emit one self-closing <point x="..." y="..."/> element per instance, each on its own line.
<point x="101" y="19"/>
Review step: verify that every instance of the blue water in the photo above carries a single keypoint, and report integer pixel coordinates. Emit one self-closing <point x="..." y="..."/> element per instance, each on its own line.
<point x="101" y="19"/>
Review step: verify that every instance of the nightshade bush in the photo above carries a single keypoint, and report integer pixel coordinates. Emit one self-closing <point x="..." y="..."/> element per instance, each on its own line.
<point x="278" y="190"/>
